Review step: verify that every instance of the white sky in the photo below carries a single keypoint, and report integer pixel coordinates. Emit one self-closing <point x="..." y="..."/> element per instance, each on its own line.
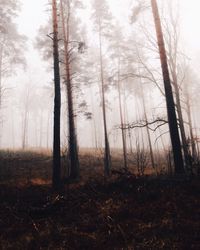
<point x="35" y="12"/>
<point x="191" y="32"/>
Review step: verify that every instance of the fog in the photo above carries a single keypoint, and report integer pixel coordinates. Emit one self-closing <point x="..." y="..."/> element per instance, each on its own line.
<point x="28" y="89"/>
<point x="99" y="124"/>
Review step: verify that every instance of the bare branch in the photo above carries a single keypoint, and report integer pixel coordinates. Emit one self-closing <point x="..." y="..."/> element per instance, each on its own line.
<point x="144" y="123"/>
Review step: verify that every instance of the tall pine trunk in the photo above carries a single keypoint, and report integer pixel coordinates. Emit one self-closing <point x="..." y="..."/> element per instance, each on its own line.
<point x="73" y="148"/>
<point x="107" y="157"/>
<point x="171" y="112"/>
<point x="56" y="178"/>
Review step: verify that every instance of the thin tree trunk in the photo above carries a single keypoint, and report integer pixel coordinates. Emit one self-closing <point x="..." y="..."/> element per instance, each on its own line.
<point x="130" y="140"/>
<point x="73" y="148"/>
<point x="107" y="156"/>
<point x="148" y="134"/>
<point x="93" y="119"/>
<point x="121" y="119"/>
<point x="25" y="127"/>
<point x="180" y="118"/>
<point x="25" y="121"/>
<point x="56" y="178"/>
<point x="129" y="134"/>
<point x="147" y="129"/>
<point x="125" y="120"/>
<point x="1" y="61"/>
<point x="13" y="129"/>
<point x="196" y="138"/>
<point x="41" y="128"/>
<point x="47" y="130"/>
<point x="1" y="120"/>
<point x="188" y="106"/>
<point x="162" y="140"/>
<point x="172" y="119"/>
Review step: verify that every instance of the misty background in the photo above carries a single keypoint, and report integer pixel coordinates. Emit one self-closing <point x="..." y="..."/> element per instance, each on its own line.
<point x="28" y="89"/>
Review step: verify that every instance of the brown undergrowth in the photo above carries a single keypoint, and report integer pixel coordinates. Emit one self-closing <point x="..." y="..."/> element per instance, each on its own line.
<point x="122" y="212"/>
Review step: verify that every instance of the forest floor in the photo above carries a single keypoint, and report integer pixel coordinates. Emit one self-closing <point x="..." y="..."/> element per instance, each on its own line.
<point x="123" y="212"/>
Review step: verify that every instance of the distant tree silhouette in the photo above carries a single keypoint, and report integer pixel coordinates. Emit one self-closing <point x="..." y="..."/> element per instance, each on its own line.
<point x="102" y="19"/>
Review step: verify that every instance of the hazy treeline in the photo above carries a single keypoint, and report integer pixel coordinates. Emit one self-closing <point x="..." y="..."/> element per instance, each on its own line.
<point x="111" y="83"/>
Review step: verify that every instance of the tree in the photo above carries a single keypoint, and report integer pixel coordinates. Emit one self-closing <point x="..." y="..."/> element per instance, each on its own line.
<point x="25" y="117"/>
<point x="73" y="148"/>
<point x="121" y="118"/>
<point x="102" y="19"/>
<point x="12" y="43"/>
<point x="69" y="47"/>
<point x="56" y="178"/>
<point x="148" y="132"/>
<point x="173" y="126"/>
<point x="118" y="55"/>
<point x="174" y="58"/>
<point x="190" y="98"/>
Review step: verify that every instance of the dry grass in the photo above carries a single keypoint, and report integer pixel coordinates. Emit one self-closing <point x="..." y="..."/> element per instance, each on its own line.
<point x="35" y="166"/>
<point x="122" y="212"/>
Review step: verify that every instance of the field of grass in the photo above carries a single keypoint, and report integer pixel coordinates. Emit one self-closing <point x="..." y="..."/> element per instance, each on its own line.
<point x="35" y="166"/>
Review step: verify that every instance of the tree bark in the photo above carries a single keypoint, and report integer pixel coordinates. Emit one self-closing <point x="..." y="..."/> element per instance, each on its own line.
<point x="173" y="125"/>
<point x="56" y="178"/>
<point x="73" y="148"/>
<point x="180" y="114"/>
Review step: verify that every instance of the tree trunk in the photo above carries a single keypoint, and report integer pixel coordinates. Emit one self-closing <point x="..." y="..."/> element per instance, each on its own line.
<point x="172" y="119"/>
<point x="194" y="152"/>
<point x="94" y="127"/>
<point x="41" y="128"/>
<point x="148" y="133"/>
<point x="197" y="140"/>
<point x="47" y="130"/>
<point x="13" y="129"/>
<point x="1" y="61"/>
<point x="180" y="118"/>
<point x="56" y="178"/>
<point x="73" y="148"/>
<point x="121" y="119"/>
<point x="25" y="128"/>
<point x="107" y="157"/>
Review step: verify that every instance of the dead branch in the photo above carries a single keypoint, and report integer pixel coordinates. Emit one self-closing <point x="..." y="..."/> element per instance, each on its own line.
<point x="144" y="123"/>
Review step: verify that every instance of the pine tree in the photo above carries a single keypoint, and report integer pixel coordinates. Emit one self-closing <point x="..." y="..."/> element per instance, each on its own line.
<point x="172" y="119"/>
<point x="56" y="178"/>
<point x="12" y="43"/>
<point x="73" y="148"/>
<point x="102" y="20"/>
